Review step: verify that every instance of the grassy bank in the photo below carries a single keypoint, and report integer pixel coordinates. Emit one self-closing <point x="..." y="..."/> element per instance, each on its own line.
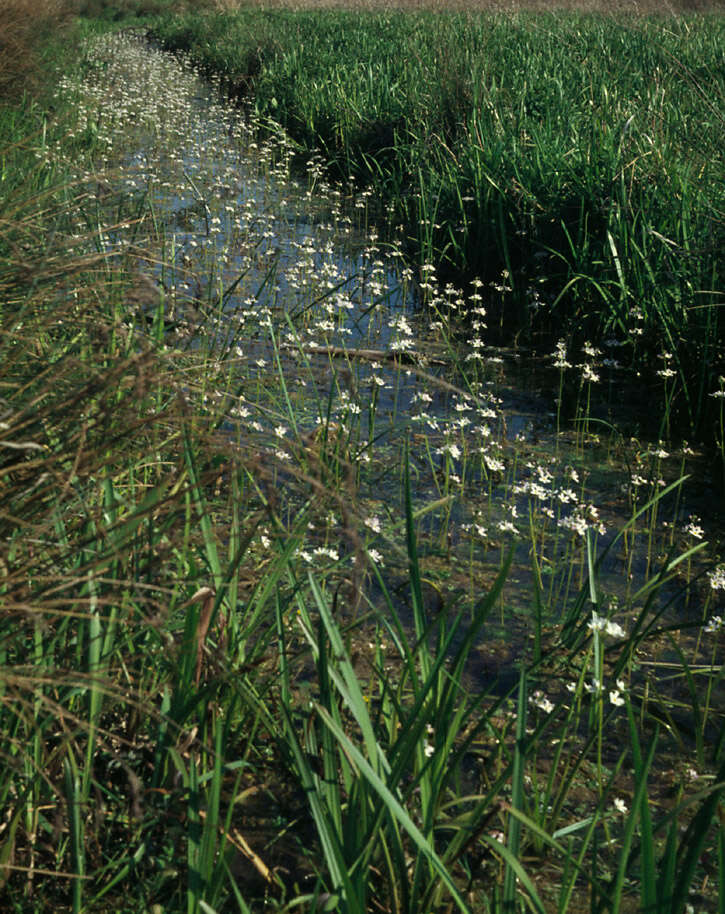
<point x="252" y="591"/>
<point x="577" y="156"/>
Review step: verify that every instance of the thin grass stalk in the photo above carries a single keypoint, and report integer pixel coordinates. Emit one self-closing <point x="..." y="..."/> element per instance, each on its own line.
<point x="74" y="802"/>
<point x="648" y="873"/>
<point x="639" y="801"/>
<point x="693" y="842"/>
<point x="517" y="795"/>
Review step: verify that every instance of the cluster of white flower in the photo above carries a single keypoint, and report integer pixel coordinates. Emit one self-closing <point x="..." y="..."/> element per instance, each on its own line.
<point x="373" y="523"/>
<point x="667" y="371"/>
<point x="601" y="624"/>
<point x="428" y="746"/>
<point x="615" y="695"/>
<point x="450" y="450"/>
<point x="559" y="356"/>
<point x="694" y="528"/>
<point x="541" y="701"/>
<point x="717" y="578"/>
<point x="216" y="201"/>
<point x="583" y="518"/>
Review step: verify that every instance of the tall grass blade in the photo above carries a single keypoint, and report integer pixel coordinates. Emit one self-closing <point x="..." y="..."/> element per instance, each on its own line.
<point x="517" y="797"/>
<point x="693" y="841"/>
<point x="393" y="806"/>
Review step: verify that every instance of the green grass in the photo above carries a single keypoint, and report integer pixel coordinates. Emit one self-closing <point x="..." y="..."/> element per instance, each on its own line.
<point x="579" y="156"/>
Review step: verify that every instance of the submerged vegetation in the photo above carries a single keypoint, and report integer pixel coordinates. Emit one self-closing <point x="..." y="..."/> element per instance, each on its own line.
<point x="301" y="607"/>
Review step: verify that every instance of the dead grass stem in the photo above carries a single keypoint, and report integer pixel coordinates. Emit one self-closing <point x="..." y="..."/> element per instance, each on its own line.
<point x="24" y="26"/>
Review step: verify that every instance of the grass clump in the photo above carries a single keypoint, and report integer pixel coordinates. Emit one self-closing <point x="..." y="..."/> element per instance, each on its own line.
<point x="26" y="26"/>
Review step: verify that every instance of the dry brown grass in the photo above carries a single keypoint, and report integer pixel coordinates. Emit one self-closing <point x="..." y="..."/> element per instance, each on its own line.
<point x="24" y="25"/>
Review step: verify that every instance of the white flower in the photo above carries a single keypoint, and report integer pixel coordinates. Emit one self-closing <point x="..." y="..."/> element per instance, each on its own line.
<point x="620" y="806"/>
<point x="544" y="475"/>
<point x="575" y="522"/>
<point x="541" y="701"/>
<point x="559" y="356"/>
<point x="506" y="526"/>
<point x="602" y="624"/>
<point x="402" y="345"/>
<point x="717" y="578"/>
<point x="326" y="551"/>
<point x="451" y="449"/>
<point x="591" y="351"/>
<point x="494" y="464"/>
<point x="615" y="630"/>
<point x="693" y="528"/>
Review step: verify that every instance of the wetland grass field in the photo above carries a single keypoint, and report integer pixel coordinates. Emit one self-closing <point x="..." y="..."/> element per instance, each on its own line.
<point x="361" y="459"/>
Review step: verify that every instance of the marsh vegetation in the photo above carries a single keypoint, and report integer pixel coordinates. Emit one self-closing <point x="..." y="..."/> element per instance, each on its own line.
<point x="314" y="595"/>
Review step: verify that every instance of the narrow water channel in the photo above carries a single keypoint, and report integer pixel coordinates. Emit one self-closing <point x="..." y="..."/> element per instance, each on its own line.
<point x="339" y="362"/>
